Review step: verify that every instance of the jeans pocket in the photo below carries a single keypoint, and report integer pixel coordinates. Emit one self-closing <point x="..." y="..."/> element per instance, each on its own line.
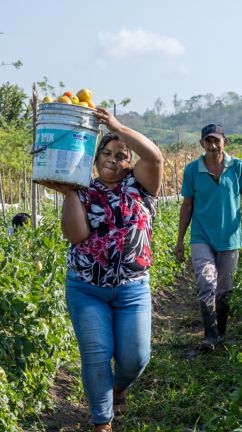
<point x="71" y="275"/>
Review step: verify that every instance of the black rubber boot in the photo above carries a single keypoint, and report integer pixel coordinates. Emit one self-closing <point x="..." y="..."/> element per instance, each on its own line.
<point x="222" y="310"/>
<point x="208" y="312"/>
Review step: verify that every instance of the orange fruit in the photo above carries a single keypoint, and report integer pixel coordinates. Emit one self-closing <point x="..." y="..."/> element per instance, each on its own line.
<point x="83" y="104"/>
<point x="91" y="104"/>
<point x="64" y="99"/>
<point x="68" y="94"/>
<point x="47" y="99"/>
<point x="84" y="95"/>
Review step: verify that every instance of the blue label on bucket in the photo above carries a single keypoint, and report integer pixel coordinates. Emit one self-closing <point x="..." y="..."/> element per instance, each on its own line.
<point x="80" y="137"/>
<point x="80" y="142"/>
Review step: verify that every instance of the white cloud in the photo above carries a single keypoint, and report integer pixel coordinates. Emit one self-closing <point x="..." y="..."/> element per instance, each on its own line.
<point x="137" y="43"/>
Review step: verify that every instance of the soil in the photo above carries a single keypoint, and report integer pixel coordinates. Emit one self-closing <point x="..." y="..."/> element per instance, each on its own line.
<point x="175" y="310"/>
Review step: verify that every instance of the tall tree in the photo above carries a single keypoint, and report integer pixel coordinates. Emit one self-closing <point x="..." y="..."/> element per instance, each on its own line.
<point x="210" y="100"/>
<point x="177" y="103"/>
<point x="13" y="106"/>
<point x="197" y="101"/>
<point x="159" y="106"/>
<point x="233" y="98"/>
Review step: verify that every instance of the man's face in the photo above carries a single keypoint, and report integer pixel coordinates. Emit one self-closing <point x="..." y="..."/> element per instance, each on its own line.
<point x="214" y="146"/>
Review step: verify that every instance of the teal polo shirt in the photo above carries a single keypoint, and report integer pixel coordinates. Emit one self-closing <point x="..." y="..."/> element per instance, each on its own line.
<point x="216" y="212"/>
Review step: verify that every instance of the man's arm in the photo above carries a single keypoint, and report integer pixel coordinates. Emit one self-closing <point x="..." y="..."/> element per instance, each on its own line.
<point x="184" y="221"/>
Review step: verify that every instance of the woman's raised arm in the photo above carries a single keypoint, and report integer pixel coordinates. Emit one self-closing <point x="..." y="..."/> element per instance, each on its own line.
<point x="74" y="223"/>
<point x="148" y="170"/>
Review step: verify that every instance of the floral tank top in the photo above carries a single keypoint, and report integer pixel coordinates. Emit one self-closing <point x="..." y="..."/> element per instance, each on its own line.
<point x="118" y="248"/>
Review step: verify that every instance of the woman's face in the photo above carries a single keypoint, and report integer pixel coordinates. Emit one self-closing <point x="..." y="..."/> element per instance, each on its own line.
<point x="113" y="163"/>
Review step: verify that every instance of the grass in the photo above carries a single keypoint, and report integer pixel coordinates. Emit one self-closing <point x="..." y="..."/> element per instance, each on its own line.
<point x="176" y="391"/>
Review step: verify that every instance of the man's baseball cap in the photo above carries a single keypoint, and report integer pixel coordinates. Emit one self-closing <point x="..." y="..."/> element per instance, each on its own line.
<point x="213" y="130"/>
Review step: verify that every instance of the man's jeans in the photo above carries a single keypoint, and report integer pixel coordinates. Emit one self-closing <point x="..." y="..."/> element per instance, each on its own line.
<point x="109" y="322"/>
<point x="214" y="271"/>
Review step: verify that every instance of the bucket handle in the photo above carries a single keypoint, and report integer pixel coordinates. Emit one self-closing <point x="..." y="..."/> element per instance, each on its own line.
<point x="47" y="145"/>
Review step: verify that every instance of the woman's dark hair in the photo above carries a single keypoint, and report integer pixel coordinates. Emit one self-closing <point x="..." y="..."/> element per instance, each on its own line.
<point x="110" y="136"/>
<point x="20" y="219"/>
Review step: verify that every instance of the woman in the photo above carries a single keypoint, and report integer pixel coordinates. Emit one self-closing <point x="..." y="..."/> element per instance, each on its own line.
<point x="107" y="280"/>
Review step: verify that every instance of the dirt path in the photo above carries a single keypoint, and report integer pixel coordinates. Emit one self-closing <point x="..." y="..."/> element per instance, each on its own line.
<point x="175" y="311"/>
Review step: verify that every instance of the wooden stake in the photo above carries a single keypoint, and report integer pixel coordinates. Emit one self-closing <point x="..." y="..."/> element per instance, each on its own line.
<point x="38" y="197"/>
<point x="174" y="181"/>
<point x="164" y="187"/>
<point x="25" y="189"/>
<point x="2" y="200"/>
<point x="162" y="192"/>
<point x="34" y="104"/>
<point x="57" y="206"/>
<point x="30" y="194"/>
<point x="177" y="188"/>
<point x="3" y="187"/>
<point x="10" y="190"/>
<point x="114" y="110"/>
<point x="19" y="191"/>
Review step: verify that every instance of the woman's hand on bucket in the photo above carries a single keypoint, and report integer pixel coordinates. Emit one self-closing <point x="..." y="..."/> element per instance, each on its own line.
<point x="106" y="118"/>
<point x="59" y="187"/>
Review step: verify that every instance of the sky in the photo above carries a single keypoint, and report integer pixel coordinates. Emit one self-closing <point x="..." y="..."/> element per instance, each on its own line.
<point x="134" y="48"/>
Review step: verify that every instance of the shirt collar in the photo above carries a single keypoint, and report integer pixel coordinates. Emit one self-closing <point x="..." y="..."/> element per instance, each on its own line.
<point x="228" y="161"/>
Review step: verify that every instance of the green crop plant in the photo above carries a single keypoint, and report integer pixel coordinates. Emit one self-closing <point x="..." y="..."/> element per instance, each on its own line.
<point x="165" y="233"/>
<point x="36" y="335"/>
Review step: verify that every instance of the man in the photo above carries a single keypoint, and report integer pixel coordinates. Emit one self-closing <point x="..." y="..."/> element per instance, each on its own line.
<point x="211" y="189"/>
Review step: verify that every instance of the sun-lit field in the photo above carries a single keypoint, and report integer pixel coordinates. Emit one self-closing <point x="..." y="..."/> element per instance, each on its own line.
<point x="36" y="340"/>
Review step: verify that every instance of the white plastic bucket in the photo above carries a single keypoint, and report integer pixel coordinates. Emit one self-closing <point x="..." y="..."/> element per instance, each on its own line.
<point x="74" y="134"/>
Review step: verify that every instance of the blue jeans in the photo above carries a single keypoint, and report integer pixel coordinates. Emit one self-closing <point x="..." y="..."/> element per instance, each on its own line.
<point x="109" y="322"/>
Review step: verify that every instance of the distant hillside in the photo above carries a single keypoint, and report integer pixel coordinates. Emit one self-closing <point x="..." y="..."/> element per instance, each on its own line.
<point x="162" y="135"/>
<point x="118" y="112"/>
<point x="188" y="123"/>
